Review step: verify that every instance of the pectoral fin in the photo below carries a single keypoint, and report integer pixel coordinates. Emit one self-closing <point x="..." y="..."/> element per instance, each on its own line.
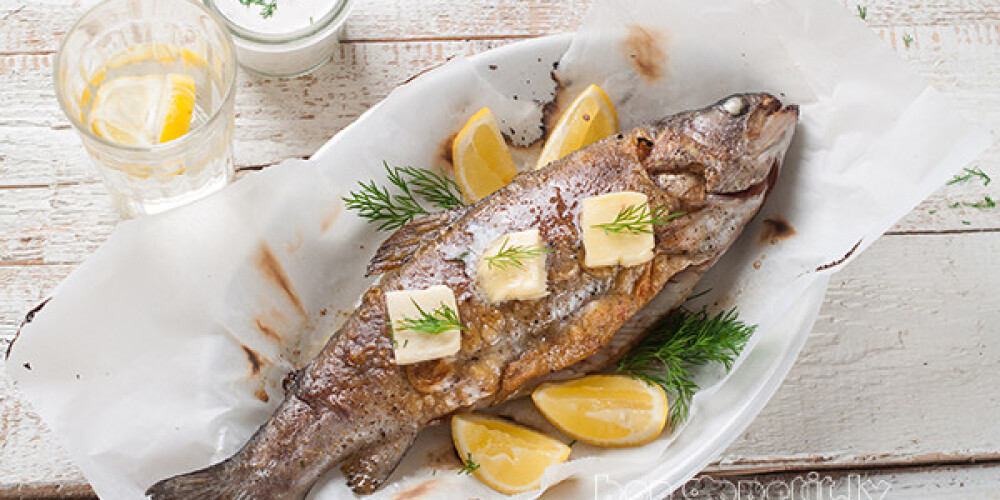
<point x="400" y="246"/>
<point x="370" y="466"/>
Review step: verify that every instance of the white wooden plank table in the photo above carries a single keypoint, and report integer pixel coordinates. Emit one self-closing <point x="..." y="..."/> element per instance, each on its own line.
<point x="897" y="383"/>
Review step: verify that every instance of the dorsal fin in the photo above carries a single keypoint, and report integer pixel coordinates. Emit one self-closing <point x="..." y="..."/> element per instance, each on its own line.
<point x="400" y="246"/>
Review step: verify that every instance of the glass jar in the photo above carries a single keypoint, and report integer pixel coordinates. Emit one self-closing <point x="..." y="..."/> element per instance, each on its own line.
<point x="283" y="38"/>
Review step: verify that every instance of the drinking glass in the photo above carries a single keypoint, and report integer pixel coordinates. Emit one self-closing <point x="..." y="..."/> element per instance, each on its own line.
<point x="128" y="75"/>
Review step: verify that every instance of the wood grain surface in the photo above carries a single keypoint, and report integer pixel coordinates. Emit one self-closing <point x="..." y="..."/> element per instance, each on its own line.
<point x="897" y="382"/>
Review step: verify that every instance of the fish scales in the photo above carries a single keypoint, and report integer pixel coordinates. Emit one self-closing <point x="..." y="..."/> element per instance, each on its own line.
<point x="354" y="406"/>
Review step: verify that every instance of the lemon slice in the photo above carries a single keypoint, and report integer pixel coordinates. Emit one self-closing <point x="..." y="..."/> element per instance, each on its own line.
<point x="590" y="118"/>
<point x="482" y="161"/>
<point x="164" y="54"/>
<point x="143" y="110"/>
<point x="605" y="410"/>
<point x="510" y="458"/>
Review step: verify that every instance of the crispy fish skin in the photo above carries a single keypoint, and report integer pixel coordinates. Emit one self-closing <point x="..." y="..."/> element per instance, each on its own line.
<point x="353" y="405"/>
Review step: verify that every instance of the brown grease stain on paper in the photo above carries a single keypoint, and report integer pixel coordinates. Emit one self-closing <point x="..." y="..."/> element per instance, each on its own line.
<point x="268" y="331"/>
<point x="261" y="393"/>
<point x="257" y="362"/>
<point x="841" y="260"/>
<point x="272" y="270"/>
<point x="644" y="51"/>
<point x="444" y="458"/>
<point x="255" y="359"/>
<point x="775" y="230"/>
<point x="553" y="109"/>
<point x="28" y="318"/>
<point x="295" y="244"/>
<point x="445" y="150"/>
<point x="419" y="491"/>
<point x="331" y="217"/>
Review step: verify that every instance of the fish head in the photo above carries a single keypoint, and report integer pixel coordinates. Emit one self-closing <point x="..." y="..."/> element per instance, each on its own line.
<point x="734" y="144"/>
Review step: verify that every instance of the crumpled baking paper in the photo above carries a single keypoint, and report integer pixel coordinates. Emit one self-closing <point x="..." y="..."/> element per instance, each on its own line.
<point x="166" y="349"/>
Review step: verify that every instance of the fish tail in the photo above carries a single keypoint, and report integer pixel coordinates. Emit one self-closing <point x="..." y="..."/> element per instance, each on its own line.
<point x="281" y="461"/>
<point x="206" y="484"/>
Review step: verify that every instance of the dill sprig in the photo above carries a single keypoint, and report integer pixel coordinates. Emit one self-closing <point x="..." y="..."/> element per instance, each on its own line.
<point x="439" y="320"/>
<point x="638" y="219"/>
<point x="863" y="12"/>
<point x="970" y="173"/>
<point x="514" y="255"/>
<point x="987" y="202"/>
<point x="435" y="188"/>
<point x="267" y="7"/>
<point x="681" y="341"/>
<point x="375" y="203"/>
<point x="907" y="40"/>
<point x="469" y="466"/>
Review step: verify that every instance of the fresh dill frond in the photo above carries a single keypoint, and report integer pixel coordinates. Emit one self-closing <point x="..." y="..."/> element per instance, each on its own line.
<point x="863" y="12"/>
<point x="698" y="295"/>
<point x="970" y="173"/>
<point x="680" y="342"/>
<point x="469" y="466"/>
<point x="987" y="202"/>
<point x="434" y="187"/>
<point x="439" y="320"/>
<point x="375" y="203"/>
<point x="514" y="255"/>
<point x="267" y="7"/>
<point x="907" y="40"/>
<point x="638" y="219"/>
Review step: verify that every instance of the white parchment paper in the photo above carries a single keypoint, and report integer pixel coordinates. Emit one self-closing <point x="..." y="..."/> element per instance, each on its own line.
<point x="166" y="349"/>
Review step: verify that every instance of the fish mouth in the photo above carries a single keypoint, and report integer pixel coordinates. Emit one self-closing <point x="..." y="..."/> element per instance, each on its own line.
<point x="770" y="146"/>
<point x="779" y="123"/>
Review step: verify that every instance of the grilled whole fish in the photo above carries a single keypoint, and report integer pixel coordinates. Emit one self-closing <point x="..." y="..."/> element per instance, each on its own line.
<point x="353" y="405"/>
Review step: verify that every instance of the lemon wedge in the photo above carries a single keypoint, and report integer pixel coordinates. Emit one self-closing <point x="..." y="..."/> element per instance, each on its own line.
<point x="143" y="110"/>
<point x="605" y="410"/>
<point x="507" y="457"/>
<point x="482" y="160"/>
<point x="590" y="118"/>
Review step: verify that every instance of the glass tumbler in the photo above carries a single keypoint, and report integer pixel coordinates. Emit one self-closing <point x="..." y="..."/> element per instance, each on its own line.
<point x="149" y="85"/>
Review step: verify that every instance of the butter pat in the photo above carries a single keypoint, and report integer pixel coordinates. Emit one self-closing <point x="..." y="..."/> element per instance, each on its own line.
<point x="603" y="248"/>
<point x="521" y="275"/>
<point x="413" y="347"/>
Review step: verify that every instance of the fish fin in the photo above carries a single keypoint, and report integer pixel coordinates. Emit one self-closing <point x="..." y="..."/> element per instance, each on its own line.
<point x="282" y="461"/>
<point x="206" y="484"/>
<point x="401" y="245"/>
<point x="370" y="466"/>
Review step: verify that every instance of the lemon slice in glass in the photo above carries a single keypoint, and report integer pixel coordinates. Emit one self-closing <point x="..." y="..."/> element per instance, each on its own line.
<point x="482" y="160"/>
<point x="605" y="410"/>
<point x="143" y="110"/>
<point x="590" y="118"/>
<point x="507" y="457"/>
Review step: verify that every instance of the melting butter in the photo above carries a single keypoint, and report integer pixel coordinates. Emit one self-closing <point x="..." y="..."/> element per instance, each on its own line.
<point x="410" y="346"/>
<point x="513" y="267"/>
<point x="604" y="248"/>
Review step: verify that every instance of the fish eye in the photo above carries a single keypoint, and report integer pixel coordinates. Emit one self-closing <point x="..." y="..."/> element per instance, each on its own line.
<point x="736" y="106"/>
